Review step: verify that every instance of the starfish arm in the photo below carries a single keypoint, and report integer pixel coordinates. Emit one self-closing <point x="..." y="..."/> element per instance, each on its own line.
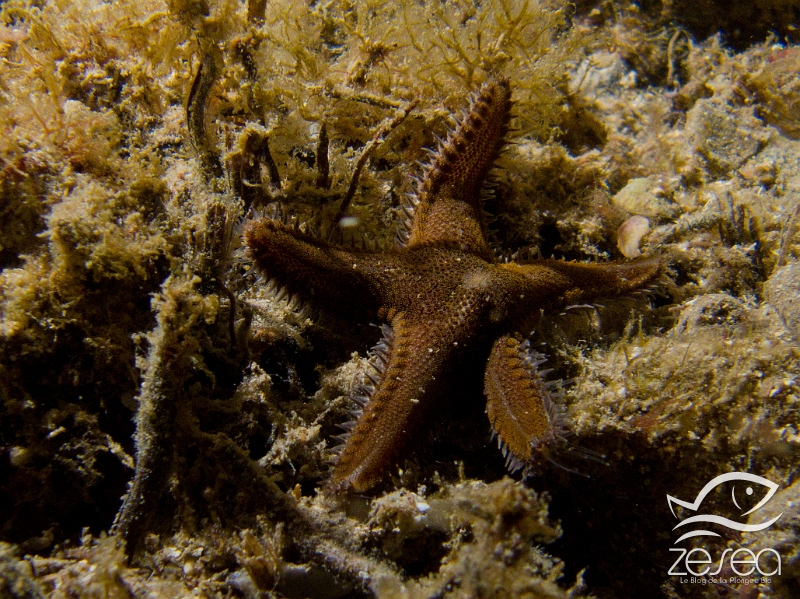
<point x="397" y="404"/>
<point x="519" y="403"/>
<point x="448" y="210"/>
<point x="569" y="282"/>
<point x="316" y="270"/>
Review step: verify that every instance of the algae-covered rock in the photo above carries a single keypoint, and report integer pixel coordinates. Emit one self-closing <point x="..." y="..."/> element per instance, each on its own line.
<point x="489" y="534"/>
<point x="775" y="84"/>
<point x="782" y="291"/>
<point x="721" y="135"/>
<point x="637" y="197"/>
<point x="17" y="579"/>
<point x="783" y="538"/>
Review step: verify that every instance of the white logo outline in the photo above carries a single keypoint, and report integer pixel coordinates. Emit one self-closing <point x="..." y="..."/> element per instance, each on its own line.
<point x="713" y="483"/>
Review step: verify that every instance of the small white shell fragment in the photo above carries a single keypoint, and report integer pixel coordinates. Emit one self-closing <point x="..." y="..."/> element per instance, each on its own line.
<point x="630" y="234"/>
<point x="349" y="222"/>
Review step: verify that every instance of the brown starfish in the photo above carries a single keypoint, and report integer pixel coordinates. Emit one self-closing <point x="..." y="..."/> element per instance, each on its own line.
<point x="444" y="296"/>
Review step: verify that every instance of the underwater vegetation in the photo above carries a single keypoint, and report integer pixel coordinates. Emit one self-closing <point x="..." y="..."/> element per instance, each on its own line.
<point x="167" y="418"/>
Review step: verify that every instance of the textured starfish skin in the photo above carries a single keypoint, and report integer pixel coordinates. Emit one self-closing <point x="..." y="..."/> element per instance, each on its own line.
<point x="445" y="297"/>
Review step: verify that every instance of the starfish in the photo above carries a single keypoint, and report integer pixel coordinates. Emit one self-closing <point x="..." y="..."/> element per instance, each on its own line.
<point x="443" y="296"/>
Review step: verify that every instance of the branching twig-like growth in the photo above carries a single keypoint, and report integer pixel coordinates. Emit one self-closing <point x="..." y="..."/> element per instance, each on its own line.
<point x="164" y="376"/>
<point x="380" y="136"/>
<point x="786" y="238"/>
<point x="196" y="106"/>
<point x="323" y="162"/>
